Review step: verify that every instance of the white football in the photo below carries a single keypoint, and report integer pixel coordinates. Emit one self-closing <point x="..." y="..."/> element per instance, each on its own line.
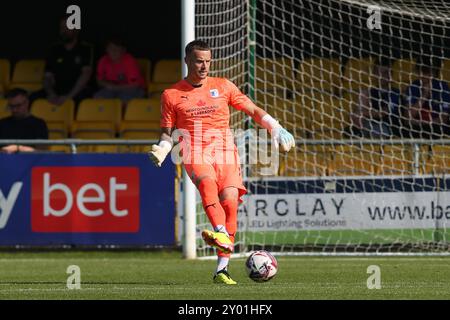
<point x="261" y="266"/>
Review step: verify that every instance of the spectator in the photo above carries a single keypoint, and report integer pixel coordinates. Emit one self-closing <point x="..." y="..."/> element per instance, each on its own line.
<point x="376" y="115"/>
<point x="68" y="68"/>
<point x="118" y="74"/>
<point x="427" y="102"/>
<point x="21" y="124"/>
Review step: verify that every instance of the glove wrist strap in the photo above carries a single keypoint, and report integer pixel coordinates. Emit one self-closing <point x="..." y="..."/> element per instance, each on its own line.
<point x="269" y="123"/>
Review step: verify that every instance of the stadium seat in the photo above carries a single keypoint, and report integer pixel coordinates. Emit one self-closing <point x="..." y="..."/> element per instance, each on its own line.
<point x="357" y="74"/>
<point x="97" y="119"/>
<point x="138" y="131"/>
<point x="304" y="161"/>
<point x="396" y="160"/>
<point x="165" y="74"/>
<point x="4" y="109"/>
<point x="287" y="111"/>
<point x="327" y="115"/>
<point x="105" y="149"/>
<point x="445" y="70"/>
<point x="321" y="74"/>
<point x="438" y="162"/>
<point x="143" y="110"/>
<point x="145" y="67"/>
<point x="275" y="75"/>
<point x="28" y="75"/>
<point x="354" y="160"/>
<point x="58" y="118"/>
<point x="5" y="75"/>
<point x="60" y="148"/>
<point x="141" y="121"/>
<point x="94" y="131"/>
<point x="403" y="73"/>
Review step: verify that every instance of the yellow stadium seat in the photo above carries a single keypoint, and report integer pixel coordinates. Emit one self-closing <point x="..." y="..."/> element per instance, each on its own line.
<point x="445" y="70"/>
<point x="57" y="130"/>
<point x="138" y="131"/>
<point x="105" y="149"/>
<point x="144" y="66"/>
<point x="93" y="131"/>
<point x="97" y="119"/>
<point x="5" y="74"/>
<point x="327" y="115"/>
<point x="275" y="75"/>
<point x="97" y="130"/>
<point x="304" y="161"/>
<point x="357" y="73"/>
<point x="4" y="109"/>
<point x="143" y="110"/>
<point x="396" y="160"/>
<point x="141" y="121"/>
<point x="439" y="160"/>
<point x="28" y="74"/>
<point x="165" y="73"/>
<point x="320" y="74"/>
<point x="354" y="160"/>
<point x="298" y="122"/>
<point x="106" y="110"/>
<point x="58" y="118"/>
<point x="403" y="73"/>
<point x="60" y="149"/>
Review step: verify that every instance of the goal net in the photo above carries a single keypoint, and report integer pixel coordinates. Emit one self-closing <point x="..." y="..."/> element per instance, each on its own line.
<point x="363" y="86"/>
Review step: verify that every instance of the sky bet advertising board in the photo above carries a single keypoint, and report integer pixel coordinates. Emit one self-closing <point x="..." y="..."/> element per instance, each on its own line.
<point x="85" y="199"/>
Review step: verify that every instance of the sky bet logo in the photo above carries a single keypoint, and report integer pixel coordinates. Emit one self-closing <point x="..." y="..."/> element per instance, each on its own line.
<point x="7" y="202"/>
<point x="85" y="199"/>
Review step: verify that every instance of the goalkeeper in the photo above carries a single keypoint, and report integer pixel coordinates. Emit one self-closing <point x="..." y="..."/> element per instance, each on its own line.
<point x="197" y="107"/>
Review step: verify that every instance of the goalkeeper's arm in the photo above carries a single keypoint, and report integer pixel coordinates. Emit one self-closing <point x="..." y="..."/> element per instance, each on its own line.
<point x="280" y="136"/>
<point x="160" y="151"/>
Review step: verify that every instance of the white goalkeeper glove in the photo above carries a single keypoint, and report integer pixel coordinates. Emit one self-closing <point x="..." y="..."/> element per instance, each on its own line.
<point x="280" y="136"/>
<point x="283" y="138"/>
<point x="159" y="152"/>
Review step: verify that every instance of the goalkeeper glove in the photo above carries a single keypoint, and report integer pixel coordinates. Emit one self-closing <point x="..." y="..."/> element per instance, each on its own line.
<point x="280" y="136"/>
<point x="159" y="152"/>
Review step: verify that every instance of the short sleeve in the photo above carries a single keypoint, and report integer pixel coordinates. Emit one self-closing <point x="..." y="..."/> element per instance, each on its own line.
<point x="236" y="98"/>
<point x="168" y="115"/>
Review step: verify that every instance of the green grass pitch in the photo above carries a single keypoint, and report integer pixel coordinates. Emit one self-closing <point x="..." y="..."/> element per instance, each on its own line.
<point x="165" y="275"/>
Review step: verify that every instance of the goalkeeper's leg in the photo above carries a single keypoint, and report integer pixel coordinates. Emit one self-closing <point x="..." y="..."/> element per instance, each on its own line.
<point x="229" y="202"/>
<point x="204" y="177"/>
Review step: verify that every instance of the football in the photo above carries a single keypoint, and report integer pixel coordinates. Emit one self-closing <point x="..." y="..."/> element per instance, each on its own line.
<point x="261" y="266"/>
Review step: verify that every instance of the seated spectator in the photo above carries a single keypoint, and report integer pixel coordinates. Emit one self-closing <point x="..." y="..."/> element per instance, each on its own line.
<point x="68" y="69"/>
<point x="118" y="74"/>
<point x="427" y="104"/>
<point x="21" y="124"/>
<point x="376" y="115"/>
